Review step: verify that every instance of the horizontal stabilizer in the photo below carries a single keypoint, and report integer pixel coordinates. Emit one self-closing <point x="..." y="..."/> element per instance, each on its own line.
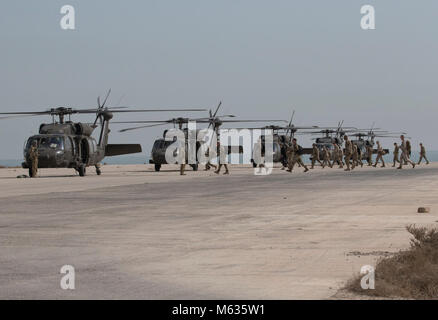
<point x="119" y="149"/>
<point x="307" y="151"/>
<point x="235" y="149"/>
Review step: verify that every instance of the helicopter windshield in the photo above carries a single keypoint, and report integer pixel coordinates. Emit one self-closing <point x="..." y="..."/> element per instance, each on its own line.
<point x="55" y="142"/>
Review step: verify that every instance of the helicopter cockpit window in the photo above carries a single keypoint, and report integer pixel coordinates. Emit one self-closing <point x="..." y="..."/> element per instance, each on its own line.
<point x="52" y="142"/>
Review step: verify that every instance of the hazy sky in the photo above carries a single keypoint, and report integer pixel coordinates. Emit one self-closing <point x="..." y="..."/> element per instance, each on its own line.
<point x="262" y="58"/>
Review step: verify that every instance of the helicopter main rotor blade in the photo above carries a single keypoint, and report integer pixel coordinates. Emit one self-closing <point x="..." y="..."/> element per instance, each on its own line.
<point x="106" y="98"/>
<point x="217" y="109"/>
<point x="142" y="127"/>
<point x="36" y="113"/>
<point x="63" y="110"/>
<point x="19" y="116"/>
<point x="261" y="120"/>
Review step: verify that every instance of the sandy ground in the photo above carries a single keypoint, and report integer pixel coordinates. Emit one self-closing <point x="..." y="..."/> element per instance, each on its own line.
<point x="136" y="233"/>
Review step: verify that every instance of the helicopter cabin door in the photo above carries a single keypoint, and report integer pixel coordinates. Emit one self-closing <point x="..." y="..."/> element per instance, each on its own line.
<point x="68" y="149"/>
<point x="85" y="151"/>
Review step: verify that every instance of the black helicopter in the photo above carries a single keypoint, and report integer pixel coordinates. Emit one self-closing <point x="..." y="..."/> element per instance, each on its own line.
<point x="282" y="136"/>
<point x="67" y="144"/>
<point x="332" y="136"/>
<point x="214" y="121"/>
<point x="363" y="139"/>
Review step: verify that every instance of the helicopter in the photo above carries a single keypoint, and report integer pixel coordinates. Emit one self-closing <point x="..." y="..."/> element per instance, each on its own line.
<point x="332" y="136"/>
<point x="160" y="145"/>
<point x="362" y="144"/>
<point x="67" y="144"/>
<point x="282" y="135"/>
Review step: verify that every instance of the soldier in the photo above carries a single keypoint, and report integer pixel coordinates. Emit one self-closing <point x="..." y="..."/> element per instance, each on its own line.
<point x="348" y="153"/>
<point x="315" y="156"/>
<point x="182" y="161"/>
<point x="222" y="159"/>
<point x="326" y="158"/>
<point x="294" y="156"/>
<point x="423" y="154"/>
<point x="283" y="149"/>
<point x="359" y="156"/>
<point x="33" y="157"/>
<point x="337" y="155"/>
<point x="380" y="154"/>
<point x="408" y="147"/>
<point x="396" y="154"/>
<point x="341" y="157"/>
<point x="370" y="155"/>
<point x="404" y="154"/>
<point x="355" y="156"/>
<point x="208" y="165"/>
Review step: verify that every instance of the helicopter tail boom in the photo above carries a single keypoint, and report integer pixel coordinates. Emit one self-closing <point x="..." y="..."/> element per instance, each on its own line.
<point x="120" y="149"/>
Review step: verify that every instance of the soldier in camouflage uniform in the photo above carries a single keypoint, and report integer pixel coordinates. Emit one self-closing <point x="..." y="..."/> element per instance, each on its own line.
<point x="326" y="158"/>
<point x="208" y="165"/>
<point x="396" y="154"/>
<point x="341" y="157"/>
<point x="315" y="156"/>
<point x="380" y="154"/>
<point x="33" y="157"/>
<point x="423" y="154"/>
<point x="182" y="160"/>
<point x="283" y="150"/>
<point x="337" y="156"/>
<point x="294" y="156"/>
<point x="370" y="152"/>
<point x="222" y="160"/>
<point x="355" y="156"/>
<point x="404" y="154"/>
<point x="348" y="153"/>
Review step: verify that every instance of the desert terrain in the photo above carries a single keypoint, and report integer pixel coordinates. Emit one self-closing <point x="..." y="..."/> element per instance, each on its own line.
<point x="133" y="233"/>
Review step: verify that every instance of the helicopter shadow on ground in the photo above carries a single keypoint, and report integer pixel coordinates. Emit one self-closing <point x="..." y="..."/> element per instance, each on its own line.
<point x="39" y="177"/>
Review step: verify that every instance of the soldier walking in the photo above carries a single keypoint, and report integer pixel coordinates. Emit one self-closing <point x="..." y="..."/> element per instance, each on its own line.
<point x="380" y="154"/>
<point x="341" y="157"/>
<point x="33" y="157"/>
<point x="294" y="156"/>
<point x="337" y="155"/>
<point x="370" y="155"/>
<point x="396" y="154"/>
<point x="326" y="158"/>
<point x="315" y="156"/>
<point x="348" y="153"/>
<point x="209" y="155"/>
<point x="359" y="156"/>
<point x="355" y="156"/>
<point x="283" y="149"/>
<point x="423" y="154"/>
<point x="404" y="154"/>
<point x="182" y="158"/>
<point x="222" y="160"/>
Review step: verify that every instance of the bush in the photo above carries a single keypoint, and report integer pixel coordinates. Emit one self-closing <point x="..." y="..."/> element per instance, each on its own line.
<point x="411" y="273"/>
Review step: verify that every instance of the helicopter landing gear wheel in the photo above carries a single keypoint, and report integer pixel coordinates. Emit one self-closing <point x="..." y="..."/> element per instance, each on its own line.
<point x="98" y="171"/>
<point x="82" y="170"/>
<point x="254" y="165"/>
<point x="157" y="167"/>
<point x="194" y="167"/>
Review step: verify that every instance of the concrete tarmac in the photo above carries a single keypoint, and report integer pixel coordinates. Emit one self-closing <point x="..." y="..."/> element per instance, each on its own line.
<point x="133" y="233"/>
